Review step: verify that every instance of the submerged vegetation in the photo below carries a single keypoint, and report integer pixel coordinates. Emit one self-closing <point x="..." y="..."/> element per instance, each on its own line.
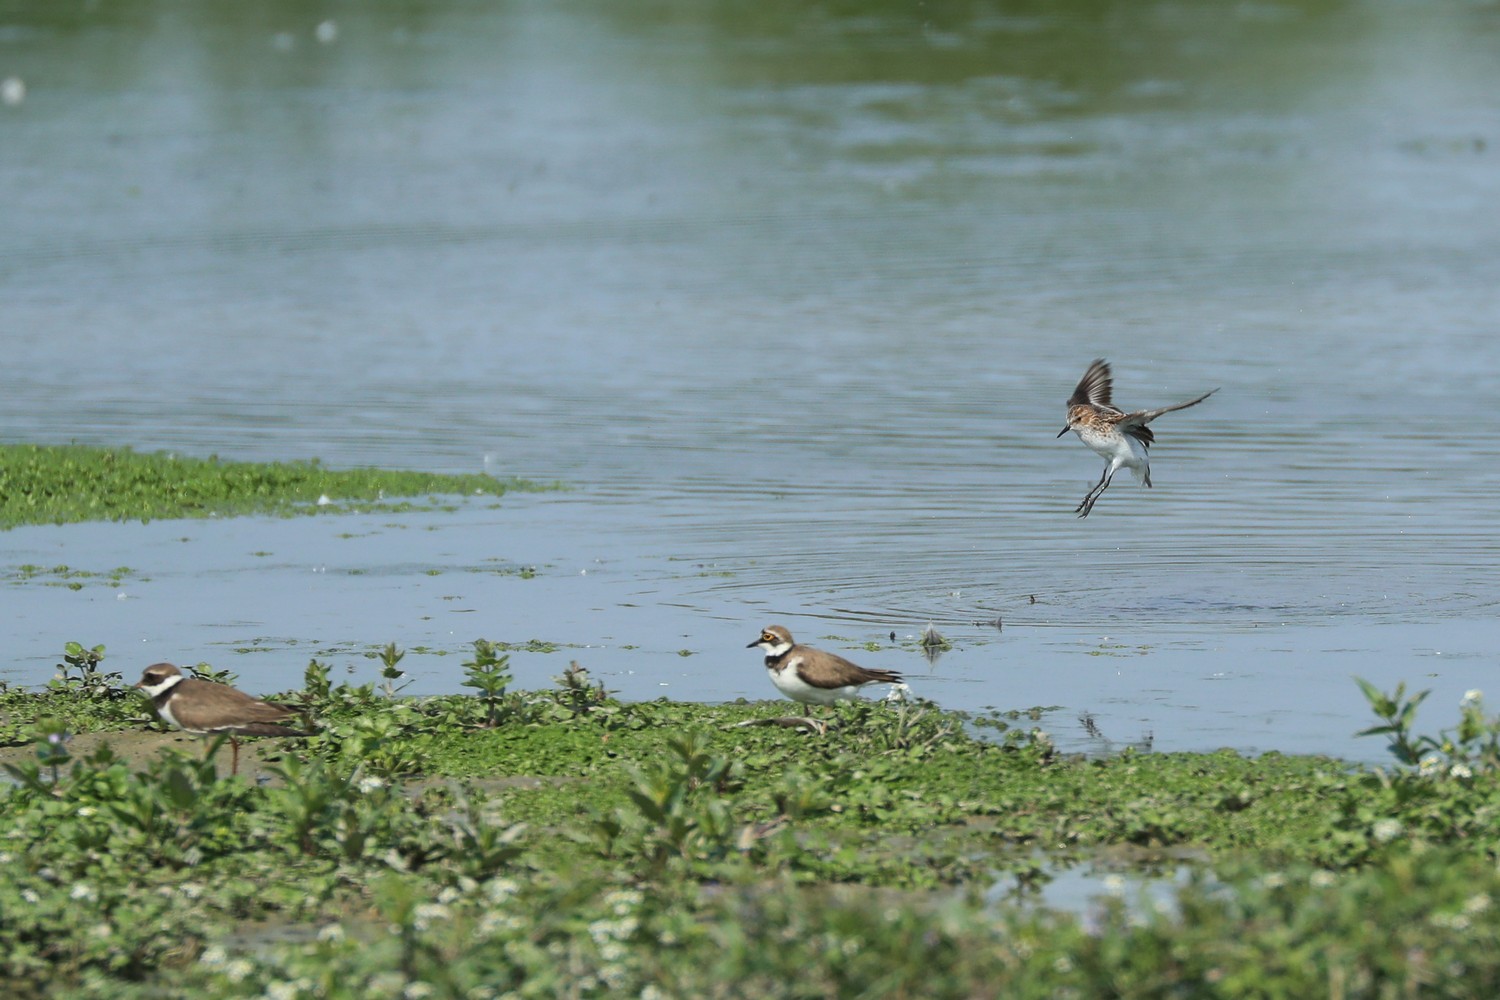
<point x="58" y="484"/>
<point x="560" y="842"/>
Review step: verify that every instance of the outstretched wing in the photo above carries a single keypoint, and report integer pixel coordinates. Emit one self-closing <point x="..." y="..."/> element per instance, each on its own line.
<point x="1142" y="417"/>
<point x="1095" y="387"/>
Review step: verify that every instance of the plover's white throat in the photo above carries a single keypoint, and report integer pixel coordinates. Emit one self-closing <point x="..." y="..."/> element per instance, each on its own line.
<point x="1120" y="438"/>
<point x="208" y="709"/>
<point x="813" y="676"/>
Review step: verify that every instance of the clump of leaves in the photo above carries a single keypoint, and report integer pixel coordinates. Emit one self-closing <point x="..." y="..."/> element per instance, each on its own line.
<point x="1471" y="747"/>
<point x="577" y="693"/>
<point x="1441" y="793"/>
<point x="679" y="808"/>
<point x="391" y="672"/>
<point x="488" y="673"/>
<point x="79" y="674"/>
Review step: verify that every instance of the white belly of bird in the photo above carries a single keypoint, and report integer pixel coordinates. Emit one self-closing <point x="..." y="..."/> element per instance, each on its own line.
<point x="166" y="714"/>
<point x="1121" y="451"/>
<point x="791" y="684"/>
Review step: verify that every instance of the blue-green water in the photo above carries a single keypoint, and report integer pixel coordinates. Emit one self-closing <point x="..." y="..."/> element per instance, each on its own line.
<point x="793" y="294"/>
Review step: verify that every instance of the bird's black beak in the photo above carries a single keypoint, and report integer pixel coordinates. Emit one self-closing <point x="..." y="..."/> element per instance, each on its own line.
<point x="1063" y="431"/>
<point x="753" y="644"/>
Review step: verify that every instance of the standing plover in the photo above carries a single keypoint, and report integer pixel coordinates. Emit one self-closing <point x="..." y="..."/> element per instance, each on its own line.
<point x="812" y="676"/>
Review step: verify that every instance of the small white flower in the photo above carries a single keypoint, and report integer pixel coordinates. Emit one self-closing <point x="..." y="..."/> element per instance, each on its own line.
<point x="623" y="901"/>
<point x="613" y="976"/>
<point x="384" y="984"/>
<point x="282" y="991"/>
<point x="1386" y="830"/>
<point x="426" y="913"/>
<point x="448" y="895"/>
<point x="417" y="991"/>
<point x="1322" y="879"/>
<point x="30" y="896"/>
<point x="1460" y="771"/>
<point x="213" y="955"/>
<point x="332" y="934"/>
<point x="191" y="890"/>
<point x="495" y="922"/>
<point x="1275" y="880"/>
<point x="102" y="930"/>
<point x="84" y="892"/>
<point x="501" y="889"/>
<point x="1477" y="904"/>
<point x="1429" y="764"/>
<point x="1473" y="696"/>
<point x="370" y="783"/>
<point x="239" y="970"/>
<point x="1063" y="965"/>
<point x="84" y="812"/>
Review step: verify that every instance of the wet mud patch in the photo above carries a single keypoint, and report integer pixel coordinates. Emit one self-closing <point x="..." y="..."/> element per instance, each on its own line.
<point x="139" y="749"/>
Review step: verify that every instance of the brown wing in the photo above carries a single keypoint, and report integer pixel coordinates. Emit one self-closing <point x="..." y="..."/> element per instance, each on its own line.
<point x="822" y="669"/>
<point x="1096" y="386"/>
<point x="1139" y="419"/>
<point x="218" y="708"/>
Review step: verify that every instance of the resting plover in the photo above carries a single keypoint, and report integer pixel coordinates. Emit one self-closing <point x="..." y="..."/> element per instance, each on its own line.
<point x="205" y="708"/>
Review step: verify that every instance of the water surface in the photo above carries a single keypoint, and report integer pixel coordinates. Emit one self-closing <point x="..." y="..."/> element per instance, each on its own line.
<point x="793" y="295"/>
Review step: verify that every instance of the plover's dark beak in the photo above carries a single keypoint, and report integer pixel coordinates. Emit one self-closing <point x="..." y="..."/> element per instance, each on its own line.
<point x="753" y="644"/>
<point x="1063" y="431"/>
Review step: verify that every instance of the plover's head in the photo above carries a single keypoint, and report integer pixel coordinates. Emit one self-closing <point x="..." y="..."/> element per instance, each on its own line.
<point x="159" y="677"/>
<point x="774" y="639"/>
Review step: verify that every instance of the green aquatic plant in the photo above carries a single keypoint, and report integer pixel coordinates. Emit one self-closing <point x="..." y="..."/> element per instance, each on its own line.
<point x="489" y="674"/>
<point x="577" y="692"/>
<point x="57" y="484"/>
<point x="1471" y="747"/>
<point x="1440" y="796"/>
<point x="79" y="674"/>
<point x="390" y="657"/>
<point x="585" y="846"/>
<point x="680" y="808"/>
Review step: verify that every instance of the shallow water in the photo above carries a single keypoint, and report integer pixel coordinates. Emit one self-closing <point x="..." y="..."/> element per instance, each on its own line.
<point x="793" y="296"/>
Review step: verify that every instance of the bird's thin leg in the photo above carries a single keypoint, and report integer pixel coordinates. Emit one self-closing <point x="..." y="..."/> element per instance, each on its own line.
<point x="1087" y="503"/>
<point x="1084" y="502"/>
<point x="1094" y="494"/>
<point x="234" y="766"/>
